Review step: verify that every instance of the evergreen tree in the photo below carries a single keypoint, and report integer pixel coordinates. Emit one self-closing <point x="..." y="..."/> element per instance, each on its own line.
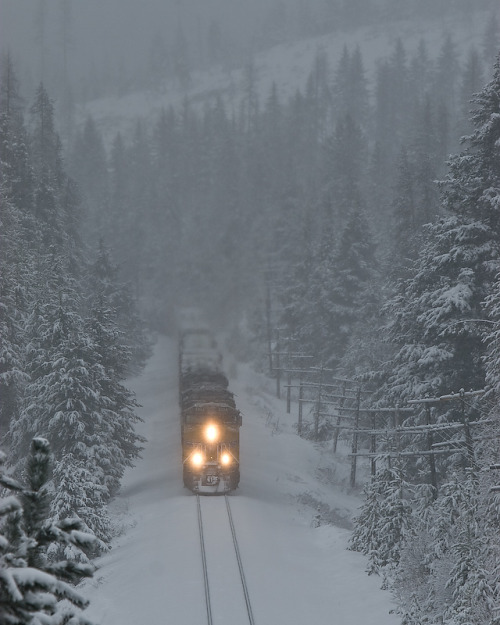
<point x="89" y="166"/>
<point x="180" y="58"/>
<point x="353" y="290"/>
<point x="459" y="549"/>
<point x="16" y="173"/>
<point x="392" y="99"/>
<point x="345" y="155"/>
<point x="119" y="195"/>
<point x="17" y="235"/>
<point x="350" y="88"/>
<point x="446" y="76"/>
<point x="436" y="314"/>
<point x="405" y="242"/>
<point x="492" y="341"/>
<point x="340" y="89"/>
<point x="158" y="63"/>
<point x="491" y="39"/>
<point x="33" y="587"/>
<point x="74" y="396"/>
<point x="384" y="521"/>
<point x="420" y="70"/>
<point x="45" y="142"/>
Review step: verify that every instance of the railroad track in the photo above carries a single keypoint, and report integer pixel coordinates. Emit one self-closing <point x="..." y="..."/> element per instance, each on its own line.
<point x="223" y="593"/>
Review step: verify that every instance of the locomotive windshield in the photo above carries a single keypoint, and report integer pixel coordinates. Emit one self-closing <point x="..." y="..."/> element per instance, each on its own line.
<point x="217" y="412"/>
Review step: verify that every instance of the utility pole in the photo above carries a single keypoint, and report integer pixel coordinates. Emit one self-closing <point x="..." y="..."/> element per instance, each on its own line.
<point x="268" y="325"/>
<point x="355" y="438"/>
<point x="430" y="442"/>
<point x="318" y="404"/>
<point x="301" y="397"/>
<point x="278" y="364"/>
<point x="467" y="433"/>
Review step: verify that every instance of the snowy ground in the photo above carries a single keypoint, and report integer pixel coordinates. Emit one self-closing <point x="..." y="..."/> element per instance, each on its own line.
<point x="297" y="574"/>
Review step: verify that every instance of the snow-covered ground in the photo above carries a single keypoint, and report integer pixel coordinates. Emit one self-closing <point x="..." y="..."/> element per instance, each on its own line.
<point x="296" y="573"/>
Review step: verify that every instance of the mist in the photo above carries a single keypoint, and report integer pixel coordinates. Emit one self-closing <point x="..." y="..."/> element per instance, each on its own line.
<point x="319" y="182"/>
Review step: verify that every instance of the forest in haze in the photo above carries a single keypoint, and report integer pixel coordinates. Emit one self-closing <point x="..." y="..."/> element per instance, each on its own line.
<point x="359" y="216"/>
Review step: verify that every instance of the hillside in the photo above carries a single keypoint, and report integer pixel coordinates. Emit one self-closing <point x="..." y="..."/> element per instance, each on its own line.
<point x="286" y="65"/>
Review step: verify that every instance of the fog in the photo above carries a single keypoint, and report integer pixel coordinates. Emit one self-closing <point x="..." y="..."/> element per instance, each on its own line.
<point x="320" y="179"/>
<point x="215" y="191"/>
<point x="96" y="39"/>
<point x="117" y="33"/>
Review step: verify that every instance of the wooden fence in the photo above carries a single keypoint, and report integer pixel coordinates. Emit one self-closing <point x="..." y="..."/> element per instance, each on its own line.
<point x="376" y="433"/>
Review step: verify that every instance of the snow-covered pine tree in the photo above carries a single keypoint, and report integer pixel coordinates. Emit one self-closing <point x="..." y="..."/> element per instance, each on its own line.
<point x="65" y="397"/>
<point x="17" y="232"/>
<point x="107" y="293"/>
<point x="353" y="298"/>
<point x="472" y="82"/>
<point x="344" y="163"/>
<point x="11" y="366"/>
<point x="384" y="522"/>
<point x="349" y="89"/>
<point x="458" y="553"/>
<point x="34" y="589"/>
<point x="89" y="168"/>
<point x="438" y="314"/>
<point x="490" y="455"/>
<point x="16" y="171"/>
<point x="446" y="75"/>
<point x="405" y="240"/>
<point x="415" y="595"/>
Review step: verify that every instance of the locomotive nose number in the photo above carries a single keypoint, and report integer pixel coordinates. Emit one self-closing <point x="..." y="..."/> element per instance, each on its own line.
<point x="211" y="479"/>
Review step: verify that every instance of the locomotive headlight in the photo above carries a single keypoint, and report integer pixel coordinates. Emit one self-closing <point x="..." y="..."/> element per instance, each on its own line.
<point x="211" y="433"/>
<point x="197" y="459"/>
<point x="225" y="459"/>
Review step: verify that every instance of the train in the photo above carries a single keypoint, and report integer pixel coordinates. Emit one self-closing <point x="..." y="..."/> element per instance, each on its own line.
<point x="210" y="421"/>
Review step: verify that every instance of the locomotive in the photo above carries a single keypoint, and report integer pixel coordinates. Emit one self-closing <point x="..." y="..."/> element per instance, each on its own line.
<point x="210" y="421"/>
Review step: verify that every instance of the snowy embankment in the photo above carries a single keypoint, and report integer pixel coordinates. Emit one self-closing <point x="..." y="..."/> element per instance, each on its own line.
<point x="296" y="573"/>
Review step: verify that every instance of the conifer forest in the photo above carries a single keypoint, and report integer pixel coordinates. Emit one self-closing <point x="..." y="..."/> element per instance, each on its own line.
<point x="349" y="224"/>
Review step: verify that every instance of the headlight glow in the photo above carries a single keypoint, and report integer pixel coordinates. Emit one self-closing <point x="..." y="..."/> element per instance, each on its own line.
<point x="211" y="433"/>
<point x="197" y="459"/>
<point x="225" y="459"/>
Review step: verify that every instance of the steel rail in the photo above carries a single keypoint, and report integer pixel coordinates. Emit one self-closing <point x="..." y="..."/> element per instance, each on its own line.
<point x="204" y="562"/>
<point x="238" y="559"/>
<point x="240" y="563"/>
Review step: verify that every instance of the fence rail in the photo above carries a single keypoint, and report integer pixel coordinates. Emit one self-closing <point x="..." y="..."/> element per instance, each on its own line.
<point x="334" y="401"/>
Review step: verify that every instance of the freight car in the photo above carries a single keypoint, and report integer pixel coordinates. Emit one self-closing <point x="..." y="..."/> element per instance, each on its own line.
<point x="210" y="421"/>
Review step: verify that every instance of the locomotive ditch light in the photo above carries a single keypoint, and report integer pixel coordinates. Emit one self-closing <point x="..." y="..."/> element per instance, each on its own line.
<point x="197" y="459"/>
<point x="226" y="459"/>
<point x="211" y="433"/>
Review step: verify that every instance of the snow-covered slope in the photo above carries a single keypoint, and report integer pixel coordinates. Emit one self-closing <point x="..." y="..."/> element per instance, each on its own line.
<point x="296" y="573"/>
<point x="286" y="65"/>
